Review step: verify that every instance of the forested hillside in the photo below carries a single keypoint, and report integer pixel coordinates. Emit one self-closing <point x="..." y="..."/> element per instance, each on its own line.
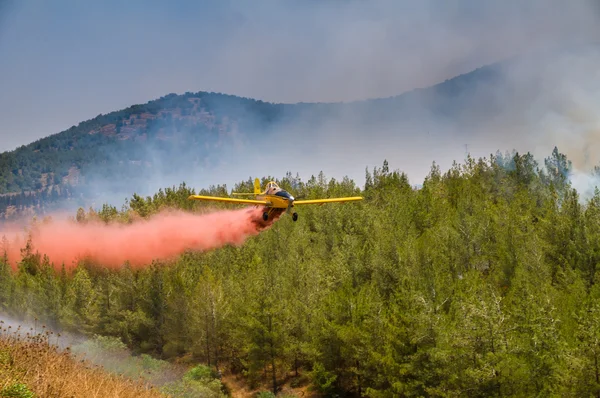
<point x="178" y="136"/>
<point x="124" y="150"/>
<point x="483" y="282"/>
<point x="191" y="136"/>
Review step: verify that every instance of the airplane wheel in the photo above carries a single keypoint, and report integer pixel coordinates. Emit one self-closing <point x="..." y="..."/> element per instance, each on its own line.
<point x="295" y="216"/>
<point x="265" y="216"/>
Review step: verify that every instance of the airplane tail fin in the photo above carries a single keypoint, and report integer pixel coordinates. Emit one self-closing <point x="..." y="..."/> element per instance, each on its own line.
<point x="256" y="186"/>
<point x="256" y="190"/>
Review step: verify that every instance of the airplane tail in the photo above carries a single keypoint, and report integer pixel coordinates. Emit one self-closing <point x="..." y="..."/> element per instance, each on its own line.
<point x="256" y="190"/>
<point x="256" y="186"/>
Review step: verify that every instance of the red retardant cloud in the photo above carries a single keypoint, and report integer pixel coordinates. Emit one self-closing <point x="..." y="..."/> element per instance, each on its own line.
<point x="160" y="237"/>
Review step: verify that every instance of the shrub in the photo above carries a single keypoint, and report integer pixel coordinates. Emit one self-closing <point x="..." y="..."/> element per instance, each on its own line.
<point x="16" y="390"/>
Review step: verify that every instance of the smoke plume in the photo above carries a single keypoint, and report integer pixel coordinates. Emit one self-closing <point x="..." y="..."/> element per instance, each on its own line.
<point x="160" y="237"/>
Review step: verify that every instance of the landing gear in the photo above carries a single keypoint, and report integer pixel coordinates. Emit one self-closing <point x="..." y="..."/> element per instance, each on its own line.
<point x="265" y="216"/>
<point x="294" y="216"/>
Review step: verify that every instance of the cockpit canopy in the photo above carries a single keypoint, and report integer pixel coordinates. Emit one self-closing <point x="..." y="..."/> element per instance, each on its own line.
<point x="272" y="185"/>
<point x="274" y="189"/>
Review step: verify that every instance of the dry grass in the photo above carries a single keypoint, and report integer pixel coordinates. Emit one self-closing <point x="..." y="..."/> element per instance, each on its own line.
<point x="31" y="364"/>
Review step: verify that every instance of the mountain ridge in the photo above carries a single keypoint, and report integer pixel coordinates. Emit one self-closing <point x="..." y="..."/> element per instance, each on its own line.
<point x="144" y="146"/>
<point x="206" y="112"/>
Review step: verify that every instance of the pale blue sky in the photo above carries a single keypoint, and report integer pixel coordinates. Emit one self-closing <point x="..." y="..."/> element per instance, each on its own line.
<point x="62" y="62"/>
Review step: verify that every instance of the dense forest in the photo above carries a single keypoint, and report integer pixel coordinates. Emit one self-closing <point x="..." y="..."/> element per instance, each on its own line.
<point x="481" y="282"/>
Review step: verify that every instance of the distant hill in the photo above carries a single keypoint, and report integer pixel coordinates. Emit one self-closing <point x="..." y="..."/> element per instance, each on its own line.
<point x="119" y="151"/>
<point x="145" y="146"/>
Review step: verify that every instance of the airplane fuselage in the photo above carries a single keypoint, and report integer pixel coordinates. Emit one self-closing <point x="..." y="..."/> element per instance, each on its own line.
<point x="280" y="199"/>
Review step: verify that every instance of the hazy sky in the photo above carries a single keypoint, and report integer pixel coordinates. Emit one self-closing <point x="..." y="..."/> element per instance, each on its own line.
<point x="62" y="62"/>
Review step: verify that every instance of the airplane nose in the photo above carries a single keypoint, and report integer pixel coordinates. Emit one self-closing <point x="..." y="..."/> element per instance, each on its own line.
<point x="291" y="198"/>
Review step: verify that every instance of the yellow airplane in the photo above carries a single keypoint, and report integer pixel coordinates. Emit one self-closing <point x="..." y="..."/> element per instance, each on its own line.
<point x="274" y="199"/>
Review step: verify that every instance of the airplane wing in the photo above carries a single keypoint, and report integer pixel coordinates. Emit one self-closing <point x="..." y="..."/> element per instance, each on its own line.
<point x="228" y="200"/>
<point x="323" y="201"/>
